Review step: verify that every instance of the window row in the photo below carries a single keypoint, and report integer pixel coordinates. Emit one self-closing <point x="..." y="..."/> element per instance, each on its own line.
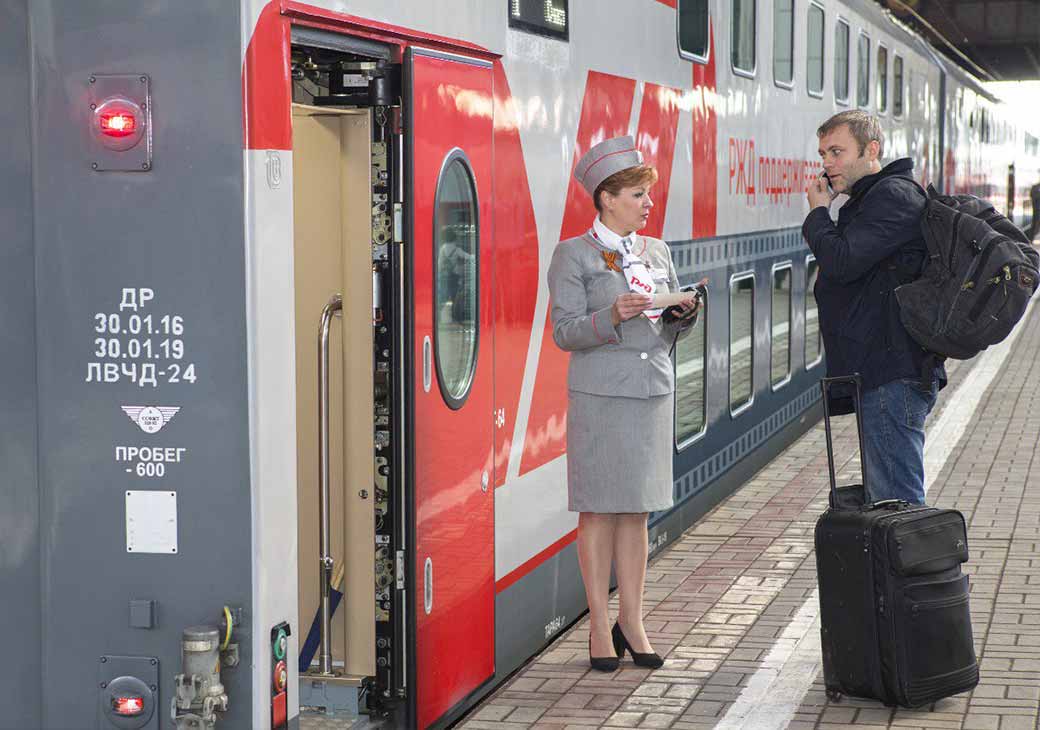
<point x="692" y="19"/>
<point x="691" y="353"/>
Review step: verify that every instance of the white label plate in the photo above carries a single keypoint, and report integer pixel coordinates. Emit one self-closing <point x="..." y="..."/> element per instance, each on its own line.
<point x="151" y="522"/>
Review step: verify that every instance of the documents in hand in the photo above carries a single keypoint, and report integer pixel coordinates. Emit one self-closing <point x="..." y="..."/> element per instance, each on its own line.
<point x="661" y="301"/>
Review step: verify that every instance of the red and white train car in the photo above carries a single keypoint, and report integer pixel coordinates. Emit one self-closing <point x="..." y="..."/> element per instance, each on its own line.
<point x="339" y="214"/>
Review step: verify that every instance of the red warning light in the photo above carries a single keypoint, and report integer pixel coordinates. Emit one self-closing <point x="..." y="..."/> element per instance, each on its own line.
<point x="128" y="706"/>
<point x="117" y="123"/>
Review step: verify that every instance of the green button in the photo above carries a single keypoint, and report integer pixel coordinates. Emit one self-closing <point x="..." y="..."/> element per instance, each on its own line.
<point x="280" y="643"/>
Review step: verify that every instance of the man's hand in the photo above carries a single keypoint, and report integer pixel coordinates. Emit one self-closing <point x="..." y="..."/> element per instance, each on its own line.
<point x="819" y="194"/>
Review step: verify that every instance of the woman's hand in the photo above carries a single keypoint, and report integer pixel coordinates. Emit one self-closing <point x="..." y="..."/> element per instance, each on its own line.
<point x="690" y="308"/>
<point x="627" y="306"/>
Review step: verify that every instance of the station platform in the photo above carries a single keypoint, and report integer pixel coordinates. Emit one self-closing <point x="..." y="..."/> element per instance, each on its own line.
<point x="733" y="607"/>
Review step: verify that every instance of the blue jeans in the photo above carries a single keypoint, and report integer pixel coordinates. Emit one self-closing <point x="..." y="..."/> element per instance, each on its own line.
<point x="893" y="439"/>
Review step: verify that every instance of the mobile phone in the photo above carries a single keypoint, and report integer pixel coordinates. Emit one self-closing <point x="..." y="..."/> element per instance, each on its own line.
<point x="827" y="178"/>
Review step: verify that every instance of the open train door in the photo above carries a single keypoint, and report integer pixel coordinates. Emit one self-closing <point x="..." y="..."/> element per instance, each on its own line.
<point x="448" y="130"/>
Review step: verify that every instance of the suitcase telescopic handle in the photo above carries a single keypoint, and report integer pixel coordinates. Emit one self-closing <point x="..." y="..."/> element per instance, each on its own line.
<point x="857" y="402"/>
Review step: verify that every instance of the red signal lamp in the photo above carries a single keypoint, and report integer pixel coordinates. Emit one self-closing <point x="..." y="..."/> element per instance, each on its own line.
<point x="128" y="706"/>
<point x="117" y="123"/>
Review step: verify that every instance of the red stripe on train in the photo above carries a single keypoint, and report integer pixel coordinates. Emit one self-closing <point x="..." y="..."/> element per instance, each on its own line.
<point x="605" y="113"/>
<point x="705" y="161"/>
<point x="515" y="269"/>
<point x="658" y="124"/>
<point x="512" y="577"/>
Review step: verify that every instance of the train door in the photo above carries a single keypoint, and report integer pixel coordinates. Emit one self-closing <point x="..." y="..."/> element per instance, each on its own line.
<point x="332" y="272"/>
<point x="448" y="125"/>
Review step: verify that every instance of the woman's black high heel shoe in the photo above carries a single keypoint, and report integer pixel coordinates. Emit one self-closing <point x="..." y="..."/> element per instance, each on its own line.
<point x="651" y="660"/>
<point x="603" y="663"/>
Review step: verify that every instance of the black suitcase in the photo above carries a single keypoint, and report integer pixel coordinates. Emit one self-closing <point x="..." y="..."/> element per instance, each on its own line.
<point x="895" y="624"/>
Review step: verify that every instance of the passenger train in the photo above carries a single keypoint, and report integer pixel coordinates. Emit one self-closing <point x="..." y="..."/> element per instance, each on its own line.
<point x="275" y="306"/>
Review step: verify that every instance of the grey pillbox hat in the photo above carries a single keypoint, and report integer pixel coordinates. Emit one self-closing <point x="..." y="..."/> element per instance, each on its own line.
<point x="604" y="159"/>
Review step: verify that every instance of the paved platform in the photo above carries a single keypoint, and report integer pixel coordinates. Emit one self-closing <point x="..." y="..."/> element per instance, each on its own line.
<point x="732" y="604"/>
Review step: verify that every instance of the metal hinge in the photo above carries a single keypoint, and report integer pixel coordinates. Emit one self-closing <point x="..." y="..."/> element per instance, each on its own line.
<point x="399" y="569"/>
<point x="398" y="223"/>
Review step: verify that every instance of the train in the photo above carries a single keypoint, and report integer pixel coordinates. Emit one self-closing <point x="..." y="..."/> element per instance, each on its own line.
<point x="285" y="424"/>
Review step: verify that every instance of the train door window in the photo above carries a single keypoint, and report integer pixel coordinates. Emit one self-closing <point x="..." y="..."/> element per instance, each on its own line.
<point x="543" y="17"/>
<point x="742" y="54"/>
<point x="863" y="70"/>
<point x="455" y="250"/>
<point x="691" y="358"/>
<point x="813" y="345"/>
<point x="841" y="62"/>
<point x="897" y="86"/>
<point x="741" y="341"/>
<point x="692" y="22"/>
<point x="783" y="43"/>
<point x="882" y="79"/>
<point x="814" y="52"/>
<point x="780" y="349"/>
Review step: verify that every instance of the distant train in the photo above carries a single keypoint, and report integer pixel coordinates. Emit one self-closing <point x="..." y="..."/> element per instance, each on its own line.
<point x="275" y="284"/>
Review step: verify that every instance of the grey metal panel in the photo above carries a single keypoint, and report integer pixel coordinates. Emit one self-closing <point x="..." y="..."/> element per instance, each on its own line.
<point x="19" y="496"/>
<point x="177" y="229"/>
<point x="542" y="604"/>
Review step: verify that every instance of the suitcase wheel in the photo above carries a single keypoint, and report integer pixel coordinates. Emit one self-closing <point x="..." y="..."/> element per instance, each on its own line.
<point x="834" y="695"/>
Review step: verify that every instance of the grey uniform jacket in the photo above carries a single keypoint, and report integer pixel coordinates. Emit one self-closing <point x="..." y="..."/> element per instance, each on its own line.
<point x="631" y="360"/>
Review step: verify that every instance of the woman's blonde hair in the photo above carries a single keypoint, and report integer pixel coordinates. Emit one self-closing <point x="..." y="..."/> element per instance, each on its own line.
<point x="628" y="178"/>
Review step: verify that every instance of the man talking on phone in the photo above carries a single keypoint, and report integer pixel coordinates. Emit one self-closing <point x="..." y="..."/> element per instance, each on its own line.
<point x="874" y="246"/>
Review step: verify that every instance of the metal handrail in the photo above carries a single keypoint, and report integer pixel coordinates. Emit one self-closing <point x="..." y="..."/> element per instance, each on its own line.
<point x="334" y="306"/>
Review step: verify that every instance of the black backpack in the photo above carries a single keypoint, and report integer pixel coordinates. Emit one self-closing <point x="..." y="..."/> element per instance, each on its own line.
<point x="978" y="278"/>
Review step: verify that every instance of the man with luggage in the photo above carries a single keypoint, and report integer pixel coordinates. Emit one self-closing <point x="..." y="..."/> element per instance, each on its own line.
<point x="874" y="246"/>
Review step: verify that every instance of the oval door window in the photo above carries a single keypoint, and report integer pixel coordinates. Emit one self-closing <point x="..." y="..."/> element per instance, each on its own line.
<point x="456" y="266"/>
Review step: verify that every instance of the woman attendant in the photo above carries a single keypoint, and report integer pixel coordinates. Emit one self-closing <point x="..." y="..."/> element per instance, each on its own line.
<point x="620" y="389"/>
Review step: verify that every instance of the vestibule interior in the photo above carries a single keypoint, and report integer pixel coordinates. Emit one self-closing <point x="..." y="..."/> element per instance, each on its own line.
<point x="333" y="255"/>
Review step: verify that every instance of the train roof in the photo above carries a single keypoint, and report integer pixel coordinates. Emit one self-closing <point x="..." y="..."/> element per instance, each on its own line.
<point x="881" y="16"/>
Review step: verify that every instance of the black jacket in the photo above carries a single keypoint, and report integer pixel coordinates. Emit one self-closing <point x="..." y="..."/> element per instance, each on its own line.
<point x="875" y="246"/>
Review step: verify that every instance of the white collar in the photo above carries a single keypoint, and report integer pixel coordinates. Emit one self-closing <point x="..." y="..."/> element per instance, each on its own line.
<point x="607" y="237"/>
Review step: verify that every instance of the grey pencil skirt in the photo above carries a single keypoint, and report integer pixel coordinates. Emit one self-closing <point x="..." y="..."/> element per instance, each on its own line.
<point x="619" y="453"/>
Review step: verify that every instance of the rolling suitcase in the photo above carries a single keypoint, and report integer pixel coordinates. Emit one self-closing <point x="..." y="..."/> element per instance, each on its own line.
<point x="895" y="624"/>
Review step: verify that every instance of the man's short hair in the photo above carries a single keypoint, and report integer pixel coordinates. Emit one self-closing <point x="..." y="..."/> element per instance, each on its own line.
<point x="865" y="127"/>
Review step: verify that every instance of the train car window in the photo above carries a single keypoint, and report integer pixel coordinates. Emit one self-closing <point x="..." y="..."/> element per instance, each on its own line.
<point x="741" y="341"/>
<point x="783" y="43"/>
<point x="863" y="70"/>
<point x="882" y="79"/>
<point x="780" y="351"/>
<point x="692" y="20"/>
<point x="841" y="62"/>
<point x="544" y="17"/>
<point x="691" y="357"/>
<point x="897" y="86"/>
<point x="742" y="37"/>
<point x="456" y="248"/>
<point x="813" y="343"/>
<point x="814" y="51"/>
